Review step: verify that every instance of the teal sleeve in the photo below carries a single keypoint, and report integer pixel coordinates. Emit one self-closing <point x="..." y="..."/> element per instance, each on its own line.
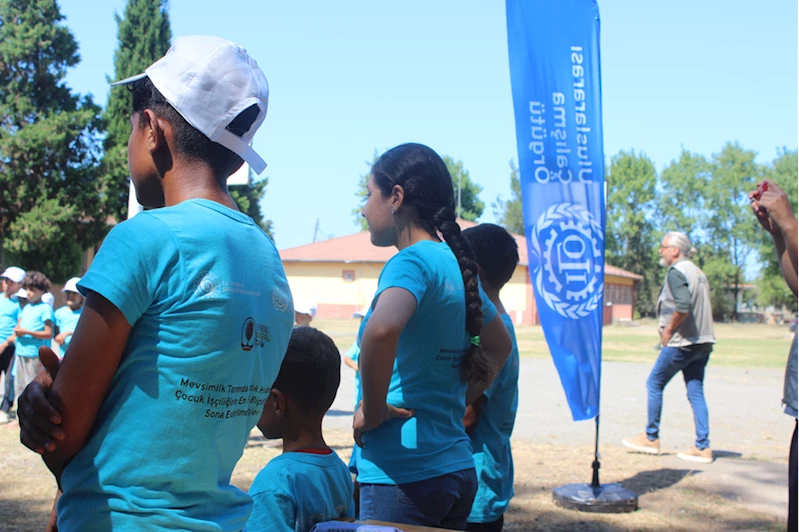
<point x="405" y="270"/>
<point x="679" y="290"/>
<point x="134" y="261"/>
<point x="271" y="512"/>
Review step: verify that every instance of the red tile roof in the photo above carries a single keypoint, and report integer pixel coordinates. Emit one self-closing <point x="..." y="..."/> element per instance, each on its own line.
<point x="358" y="248"/>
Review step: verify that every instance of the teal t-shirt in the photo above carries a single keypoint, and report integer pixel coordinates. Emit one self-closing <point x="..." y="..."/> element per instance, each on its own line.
<point x="33" y="317"/>
<point x="205" y="292"/>
<point x="9" y="316"/>
<point x="299" y="489"/>
<point x="491" y="440"/>
<point x="426" y="376"/>
<point x="66" y="320"/>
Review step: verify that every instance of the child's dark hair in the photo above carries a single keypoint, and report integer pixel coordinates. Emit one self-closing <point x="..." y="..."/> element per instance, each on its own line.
<point x="37" y="280"/>
<point x="430" y="201"/>
<point x="191" y="142"/>
<point x="311" y="371"/>
<point x="496" y="252"/>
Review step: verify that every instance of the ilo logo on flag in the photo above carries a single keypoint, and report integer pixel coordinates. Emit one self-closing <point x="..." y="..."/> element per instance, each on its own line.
<point x="567" y="243"/>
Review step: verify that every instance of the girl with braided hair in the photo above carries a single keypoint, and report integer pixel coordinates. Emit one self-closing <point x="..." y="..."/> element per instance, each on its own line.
<point x="430" y="345"/>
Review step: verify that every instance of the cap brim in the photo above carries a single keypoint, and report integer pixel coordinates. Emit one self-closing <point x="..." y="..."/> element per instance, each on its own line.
<point x="131" y="79"/>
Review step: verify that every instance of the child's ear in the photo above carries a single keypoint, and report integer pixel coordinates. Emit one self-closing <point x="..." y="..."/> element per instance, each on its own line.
<point x="154" y="128"/>
<point x="280" y="401"/>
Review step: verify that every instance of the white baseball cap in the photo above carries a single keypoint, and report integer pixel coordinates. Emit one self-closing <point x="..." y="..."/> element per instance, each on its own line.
<point x="22" y="293"/>
<point x="210" y="81"/>
<point x="48" y="298"/>
<point x="305" y="307"/>
<point x="72" y="285"/>
<point x="14" y="274"/>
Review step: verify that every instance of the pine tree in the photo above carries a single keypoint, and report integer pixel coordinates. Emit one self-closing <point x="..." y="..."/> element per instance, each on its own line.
<point x="49" y="144"/>
<point x="144" y="34"/>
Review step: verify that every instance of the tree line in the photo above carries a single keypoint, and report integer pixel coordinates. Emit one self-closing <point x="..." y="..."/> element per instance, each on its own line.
<point x="63" y="160"/>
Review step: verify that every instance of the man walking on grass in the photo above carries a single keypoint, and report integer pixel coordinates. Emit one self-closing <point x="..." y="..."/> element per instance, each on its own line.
<point x="685" y="323"/>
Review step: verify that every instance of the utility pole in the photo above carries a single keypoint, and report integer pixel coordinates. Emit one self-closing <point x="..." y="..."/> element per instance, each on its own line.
<point x="316" y="230"/>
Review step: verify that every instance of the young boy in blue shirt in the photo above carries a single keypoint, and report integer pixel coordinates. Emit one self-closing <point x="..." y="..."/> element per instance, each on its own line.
<point x="35" y="329"/>
<point x="187" y="316"/>
<point x="10" y="284"/>
<point x="489" y="420"/>
<point x="66" y="318"/>
<point x="308" y="483"/>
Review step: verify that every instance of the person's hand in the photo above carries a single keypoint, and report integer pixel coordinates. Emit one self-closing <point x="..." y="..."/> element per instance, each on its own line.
<point x="39" y="422"/>
<point x="19" y="331"/>
<point x="359" y="425"/>
<point x="776" y="203"/>
<point x="762" y="216"/>
<point x="62" y="337"/>
<point x="665" y="336"/>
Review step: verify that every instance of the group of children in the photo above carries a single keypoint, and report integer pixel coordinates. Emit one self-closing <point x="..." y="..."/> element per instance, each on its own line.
<point x="187" y="340"/>
<point x="27" y="322"/>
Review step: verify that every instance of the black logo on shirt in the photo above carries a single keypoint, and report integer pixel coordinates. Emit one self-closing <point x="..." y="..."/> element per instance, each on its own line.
<point x="248" y="334"/>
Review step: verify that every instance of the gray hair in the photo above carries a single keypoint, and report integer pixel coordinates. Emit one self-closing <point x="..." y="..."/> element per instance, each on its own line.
<point x="682" y="242"/>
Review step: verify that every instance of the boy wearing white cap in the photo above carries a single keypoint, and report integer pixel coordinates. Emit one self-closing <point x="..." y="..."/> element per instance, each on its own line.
<point x="11" y="281"/>
<point x="194" y="294"/>
<point x="66" y="318"/>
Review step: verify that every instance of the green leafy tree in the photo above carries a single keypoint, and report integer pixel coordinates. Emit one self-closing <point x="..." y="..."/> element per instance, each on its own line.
<point x="471" y="207"/>
<point x="730" y="228"/>
<point x="630" y="237"/>
<point x="681" y="199"/>
<point x="143" y="34"/>
<point x="248" y="198"/>
<point x="509" y="212"/>
<point x="50" y="206"/>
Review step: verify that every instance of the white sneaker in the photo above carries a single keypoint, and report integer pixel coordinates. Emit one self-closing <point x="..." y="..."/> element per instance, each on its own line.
<point x="4" y="418"/>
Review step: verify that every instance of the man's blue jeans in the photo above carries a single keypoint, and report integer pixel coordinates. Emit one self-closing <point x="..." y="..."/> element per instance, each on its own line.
<point x="692" y="364"/>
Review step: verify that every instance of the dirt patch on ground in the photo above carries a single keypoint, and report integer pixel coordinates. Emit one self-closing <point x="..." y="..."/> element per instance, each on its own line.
<point x="670" y="499"/>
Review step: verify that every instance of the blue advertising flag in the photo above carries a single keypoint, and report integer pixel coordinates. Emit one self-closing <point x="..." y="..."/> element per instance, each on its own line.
<point x="553" y="48"/>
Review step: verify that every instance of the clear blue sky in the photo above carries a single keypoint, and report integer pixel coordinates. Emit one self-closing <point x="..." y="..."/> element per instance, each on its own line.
<point x="347" y="78"/>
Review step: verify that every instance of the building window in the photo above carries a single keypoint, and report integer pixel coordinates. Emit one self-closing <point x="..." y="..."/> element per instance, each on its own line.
<point x="348" y="275"/>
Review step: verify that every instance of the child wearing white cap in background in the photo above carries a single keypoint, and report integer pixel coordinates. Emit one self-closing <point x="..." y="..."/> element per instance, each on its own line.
<point x="11" y="284"/>
<point x="304" y="312"/>
<point x="66" y="318"/>
<point x="150" y="439"/>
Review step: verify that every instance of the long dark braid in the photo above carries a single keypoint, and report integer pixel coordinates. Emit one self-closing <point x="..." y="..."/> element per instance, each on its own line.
<point x="429" y="196"/>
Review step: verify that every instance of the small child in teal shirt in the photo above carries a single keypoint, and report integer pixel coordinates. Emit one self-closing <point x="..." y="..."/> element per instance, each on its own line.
<point x="66" y="317"/>
<point x="308" y="483"/>
<point x="489" y="420"/>
<point x="35" y="330"/>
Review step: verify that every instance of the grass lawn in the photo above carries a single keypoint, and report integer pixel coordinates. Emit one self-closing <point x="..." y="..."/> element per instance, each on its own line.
<point x="739" y="345"/>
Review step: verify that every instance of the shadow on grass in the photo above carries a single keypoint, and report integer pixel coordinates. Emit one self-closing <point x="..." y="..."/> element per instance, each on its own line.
<point x="700" y="511"/>
<point x="23" y="515"/>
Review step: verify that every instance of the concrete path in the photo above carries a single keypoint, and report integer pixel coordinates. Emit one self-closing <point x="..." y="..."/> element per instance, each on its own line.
<point x="749" y="433"/>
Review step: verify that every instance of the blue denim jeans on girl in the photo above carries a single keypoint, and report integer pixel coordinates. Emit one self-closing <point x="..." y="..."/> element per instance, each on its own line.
<point x="440" y="502"/>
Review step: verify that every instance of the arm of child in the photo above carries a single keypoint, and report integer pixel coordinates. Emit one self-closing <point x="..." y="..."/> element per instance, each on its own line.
<point x="473" y="413"/>
<point x="85" y="375"/>
<point x="394" y="308"/>
<point x="496" y="342"/>
<point x="351" y="363"/>
<point x="44" y="334"/>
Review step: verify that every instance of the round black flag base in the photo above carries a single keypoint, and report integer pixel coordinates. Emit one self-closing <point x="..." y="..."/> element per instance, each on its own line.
<point x="604" y="499"/>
